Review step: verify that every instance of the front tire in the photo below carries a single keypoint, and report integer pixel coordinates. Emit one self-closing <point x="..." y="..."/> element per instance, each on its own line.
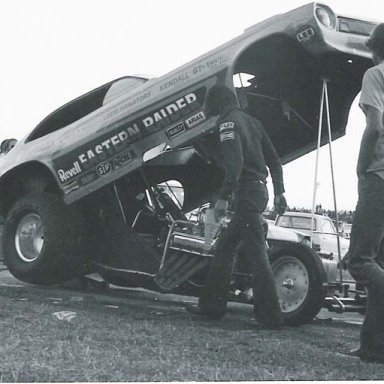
<point x="299" y="275"/>
<point x="42" y="240"/>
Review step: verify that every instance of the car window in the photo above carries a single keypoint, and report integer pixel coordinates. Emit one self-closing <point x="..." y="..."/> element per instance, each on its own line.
<point x="174" y="190"/>
<point x="296" y="222"/>
<point x="284" y="221"/>
<point x="327" y="226"/>
<point x="122" y="86"/>
<point x="84" y="105"/>
<point x="302" y="223"/>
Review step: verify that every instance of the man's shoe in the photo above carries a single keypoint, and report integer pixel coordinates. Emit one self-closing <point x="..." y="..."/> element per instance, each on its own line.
<point x="355" y="353"/>
<point x="369" y="358"/>
<point x="196" y="310"/>
<point x="365" y="356"/>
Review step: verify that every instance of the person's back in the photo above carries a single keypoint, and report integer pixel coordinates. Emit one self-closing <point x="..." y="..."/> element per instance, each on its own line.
<point x="243" y="145"/>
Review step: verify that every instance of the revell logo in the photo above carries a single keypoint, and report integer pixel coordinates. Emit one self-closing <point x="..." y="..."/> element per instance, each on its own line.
<point x="195" y="119"/>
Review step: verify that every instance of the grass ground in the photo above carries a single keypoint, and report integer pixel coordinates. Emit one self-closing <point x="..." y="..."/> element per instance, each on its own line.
<point x="149" y="337"/>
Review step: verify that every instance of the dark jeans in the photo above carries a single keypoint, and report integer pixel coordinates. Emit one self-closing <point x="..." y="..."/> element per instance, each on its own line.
<point x="246" y="226"/>
<point x="365" y="259"/>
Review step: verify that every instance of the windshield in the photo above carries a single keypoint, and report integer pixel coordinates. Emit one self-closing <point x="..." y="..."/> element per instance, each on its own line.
<point x="295" y="222"/>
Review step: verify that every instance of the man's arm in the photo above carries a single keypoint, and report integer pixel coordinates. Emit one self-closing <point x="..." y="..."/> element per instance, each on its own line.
<point x="273" y="162"/>
<point x="232" y="157"/>
<point x="370" y="136"/>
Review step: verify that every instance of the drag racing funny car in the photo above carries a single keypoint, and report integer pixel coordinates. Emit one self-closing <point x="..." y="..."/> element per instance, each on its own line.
<point x="117" y="181"/>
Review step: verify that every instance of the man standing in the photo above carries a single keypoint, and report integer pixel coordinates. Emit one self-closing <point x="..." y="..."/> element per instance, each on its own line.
<point x="246" y="151"/>
<point x="365" y="256"/>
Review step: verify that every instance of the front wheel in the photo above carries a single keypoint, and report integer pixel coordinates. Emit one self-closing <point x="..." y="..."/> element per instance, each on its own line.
<point x="299" y="276"/>
<point x="42" y="240"/>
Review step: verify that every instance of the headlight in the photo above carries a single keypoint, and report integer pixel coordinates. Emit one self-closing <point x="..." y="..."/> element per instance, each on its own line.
<point x="306" y="242"/>
<point x="326" y="17"/>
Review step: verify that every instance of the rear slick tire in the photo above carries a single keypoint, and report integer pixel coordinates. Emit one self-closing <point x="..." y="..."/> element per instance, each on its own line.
<point x="42" y="240"/>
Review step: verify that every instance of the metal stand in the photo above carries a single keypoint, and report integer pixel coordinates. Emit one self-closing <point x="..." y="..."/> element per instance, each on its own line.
<point x="324" y="98"/>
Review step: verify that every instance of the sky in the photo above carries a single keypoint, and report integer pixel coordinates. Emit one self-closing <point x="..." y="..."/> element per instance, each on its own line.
<point x="54" y="51"/>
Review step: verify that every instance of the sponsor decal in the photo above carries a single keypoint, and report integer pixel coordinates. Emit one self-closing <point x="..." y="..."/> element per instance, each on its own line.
<point x="129" y="104"/>
<point x="305" y="33"/>
<point x="123" y="159"/>
<point x="115" y="146"/>
<point x="172" y="82"/>
<point x="71" y="187"/>
<point x="65" y="175"/>
<point x="100" y="170"/>
<point x="175" y="130"/>
<point x="103" y="168"/>
<point x="195" y="119"/>
<point x="228" y="135"/>
<point x="211" y="63"/>
<point x="170" y="111"/>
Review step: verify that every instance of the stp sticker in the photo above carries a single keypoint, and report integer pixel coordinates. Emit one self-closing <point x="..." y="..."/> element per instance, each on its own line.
<point x="103" y="168"/>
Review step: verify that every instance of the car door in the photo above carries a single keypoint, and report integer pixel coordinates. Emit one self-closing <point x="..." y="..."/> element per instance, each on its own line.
<point x="328" y="236"/>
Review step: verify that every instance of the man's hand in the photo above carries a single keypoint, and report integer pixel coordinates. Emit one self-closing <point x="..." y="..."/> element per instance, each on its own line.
<point x="221" y="208"/>
<point x="280" y="204"/>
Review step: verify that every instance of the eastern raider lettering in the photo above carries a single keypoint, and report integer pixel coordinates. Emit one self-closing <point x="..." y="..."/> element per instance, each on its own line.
<point x="170" y="110"/>
<point x="127" y="131"/>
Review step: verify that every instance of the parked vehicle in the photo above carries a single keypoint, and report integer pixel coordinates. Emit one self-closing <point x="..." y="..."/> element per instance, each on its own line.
<point x="83" y="191"/>
<point x="325" y="238"/>
<point x="346" y="230"/>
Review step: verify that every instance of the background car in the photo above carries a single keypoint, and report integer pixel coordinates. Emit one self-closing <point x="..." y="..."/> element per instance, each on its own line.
<point x="346" y="230"/>
<point x="324" y="235"/>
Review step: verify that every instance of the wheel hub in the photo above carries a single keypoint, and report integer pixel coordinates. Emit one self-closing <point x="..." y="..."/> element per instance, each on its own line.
<point x="292" y="282"/>
<point x="29" y="237"/>
<point x="288" y="283"/>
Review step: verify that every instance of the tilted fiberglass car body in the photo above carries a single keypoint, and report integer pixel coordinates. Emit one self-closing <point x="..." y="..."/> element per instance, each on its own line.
<point x="86" y="190"/>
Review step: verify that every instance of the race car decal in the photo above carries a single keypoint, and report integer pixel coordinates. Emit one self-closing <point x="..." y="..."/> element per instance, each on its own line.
<point x="103" y="168"/>
<point x="176" y="130"/>
<point x="122" y="134"/>
<point x="195" y="119"/>
<point x="305" y="33"/>
<point x="100" y="170"/>
<point x="65" y="175"/>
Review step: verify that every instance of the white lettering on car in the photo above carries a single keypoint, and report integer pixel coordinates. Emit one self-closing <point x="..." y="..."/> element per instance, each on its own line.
<point x="195" y="119"/>
<point x="169" y="110"/>
<point x="161" y="118"/>
<point x="65" y="175"/>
